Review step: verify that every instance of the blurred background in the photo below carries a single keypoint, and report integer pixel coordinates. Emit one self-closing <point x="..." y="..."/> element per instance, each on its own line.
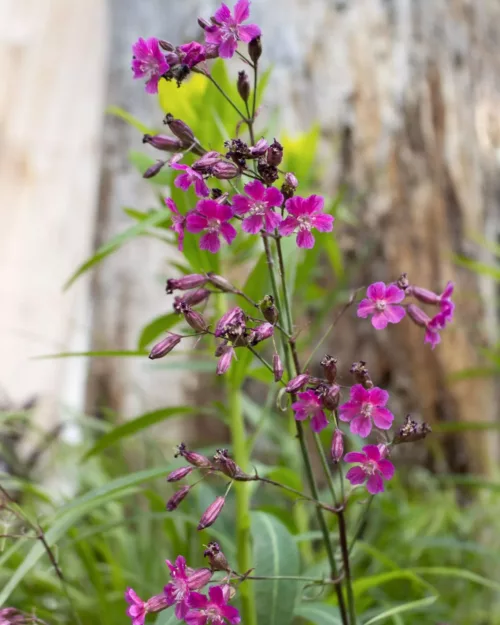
<point x="405" y="96"/>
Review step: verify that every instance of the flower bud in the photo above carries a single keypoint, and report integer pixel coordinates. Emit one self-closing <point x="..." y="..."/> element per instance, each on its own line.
<point x="163" y="142"/>
<point x="164" y="347"/>
<point x="191" y="281"/>
<point x="226" y="355"/>
<point x="206" y="162"/>
<point x="210" y="515"/>
<point x="243" y="85"/>
<point x="297" y="383"/>
<point x="268" y="309"/>
<point x="154" y="169"/>
<point x="191" y="299"/>
<point x="274" y="154"/>
<point x="337" y="449"/>
<point x="177" y="497"/>
<point x="289" y="186"/>
<point x="269" y="173"/>
<point x="277" y="367"/>
<point x="221" y="283"/>
<point x="217" y="560"/>
<point x="259" y="149"/>
<point x="194" y="318"/>
<point x="261" y="333"/>
<point x="424" y="295"/>
<point x="157" y="603"/>
<point x="225" y="464"/>
<point x="411" y="431"/>
<point x="329" y="365"/>
<point x="255" y="49"/>
<point x="202" y="23"/>
<point x="417" y="315"/>
<point x="403" y="282"/>
<point x="360" y="372"/>
<point x="224" y="170"/>
<point x="193" y="457"/>
<point x="180" y="129"/>
<point x="166" y="45"/>
<point x="199" y="578"/>
<point x="211" y="50"/>
<point x="234" y="319"/>
<point x="330" y="396"/>
<point x="179" y="474"/>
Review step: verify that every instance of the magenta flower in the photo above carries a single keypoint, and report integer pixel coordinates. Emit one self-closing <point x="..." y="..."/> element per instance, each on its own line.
<point x="178" y="222"/>
<point x="310" y="405"/>
<point x="213" y="609"/>
<point x="258" y="207"/>
<point x="184" y="580"/>
<point x="371" y="470"/>
<point x="229" y="28"/>
<point x="149" y="62"/>
<point x="381" y="303"/>
<point x="304" y="214"/>
<point x="365" y="406"/>
<point x="432" y="326"/>
<point x="137" y="609"/>
<point x="211" y="218"/>
<point x="192" y="53"/>
<point x="189" y="177"/>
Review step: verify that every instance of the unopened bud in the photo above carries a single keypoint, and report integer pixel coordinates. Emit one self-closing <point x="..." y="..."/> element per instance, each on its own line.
<point x="194" y="318"/>
<point x="277" y="367"/>
<point x="157" y="603"/>
<point x="177" y="497"/>
<point x="226" y="355"/>
<point x="180" y="129"/>
<point x="211" y="50"/>
<point x="255" y="49"/>
<point x="297" y="383"/>
<point x="217" y="560"/>
<point x="163" y="142"/>
<point x="226" y="465"/>
<point x="154" y="169"/>
<point x="199" y="578"/>
<point x="411" y="431"/>
<point x="221" y="283"/>
<point x="193" y="457"/>
<point x="191" y="299"/>
<point x="202" y="23"/>
<point x="186" y="283"/>
<point x="166" y="45"/>
<point x="417" y="315"/>
<point x="337" y="449"/>
<point x="360" y="372"/>
<point x="243" y="85"/>
<point x="224" y="170"/>
<point x="330" y="396"/>
<point x="424" y="295"/>
<point x="211" y="514"/>
<point x="289" y="185"/>
<point x="206" y="162"/>
<point x="164" y="347"/>
<point x="274" y="154"/>
<point x="259" y="149"/>
<point x="179" y="474"/>
<point x="261" y="333"/>
<point x="329" y="365"/>
<point x="234" y="318"/>
<point x="268" y="309"/>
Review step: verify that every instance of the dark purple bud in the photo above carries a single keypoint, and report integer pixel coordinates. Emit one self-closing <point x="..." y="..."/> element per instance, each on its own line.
<point x="411" y="431"/>
<point x="360" y="372"/>
<point x="225" y="464"/>
<point x="277" y="367"/>
<point x="202" y="23"/>
<point x="417" y="315"/>
<point x="269" y="173"/>
<point x="259" y="149"/>
<point x="177" y="497"/>
<point x="210" y="515"/>
<point x="403" y="282"/>
<point x="261" y="333"/>
<point x="179" y="474"/>
<point x="424" y="295"/>
<point x="193" y="457"/>
<point x="330" y="396"/>
<point x="274" y="154"/>
<point x="191" y="299"/>
<point x="173" y="59"/>
<point x="289" y="186"/>
<point x="243" y="85"/>
<point x="297" y="383"/>
<point x="268" y="309"/>
<point x="199" y="578"/>
<point x="194" y="318"/>
<point x="221" y="283"/>
<point x="329" y="365"/>
<point x="337" y="449"/>
<point x="211" y="50"/>
<point x="206" y="162"/>
<point x="186" y="283"/>
<point x="233" y="320"/>
<point x="157" y="603"/>
<point x="217" y="560"/>
<point x="226" y="355"/>
<point x="163" y="142"/>
<point x="224" y="170"/>
<point x="180" y="129"/>
<point x="166" y="45"/>
<point x="164" y="347"/>
<point x="154" y="169"/>
<point x="255" y="49"/>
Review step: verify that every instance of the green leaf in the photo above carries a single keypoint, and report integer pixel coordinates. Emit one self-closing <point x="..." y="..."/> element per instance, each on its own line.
<point x="155" y="328"/>
<point x="130" y="119"/>
<point x="136" y="425"/>
<point x="411" y="606"/>
<point x="167" y="617"/>
<point x="117" y="241"/>
<point x="478" y="267"/>
<point x="319" y="613"/>
<point x="275" y="553"/>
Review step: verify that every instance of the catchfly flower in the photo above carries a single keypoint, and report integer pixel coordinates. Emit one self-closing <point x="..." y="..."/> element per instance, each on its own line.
<point x="212" y="218"/>
<point x="365" y="406"/>
<point x="149" y="62"/>
<point x="372" y="468"/>
<point x="189" y="177"/>
<point x="213" y="609"/>
<point x="304" y="214"/>
<point x="178" y="222"/>
<point x="257" y="207"/>
<point x="183" y="581"/>
<point x="310" y="405"/>
<point x="228" y="28"/>
<point x="382" y="303"/>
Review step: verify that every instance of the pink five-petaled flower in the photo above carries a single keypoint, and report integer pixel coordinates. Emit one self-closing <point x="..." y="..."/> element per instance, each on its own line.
<point x="229" y="28"/>
<point x="184" y="580"/>
<point x="310" y="405"/>
<point x="137" y="609"/>
<point x="178" y="222"/>
<point x="149" y="62"/>
<point x="213" y="609"/>
<point x="212" y="218"/>
<point x="189" y="177"/>
<point x="258" y="207"/>
<point x="303" y="215"/>
<point x="192" y="53"/>
<point x="382" y="304"/>
<point x="372" y="469"/>
<point x="364" y="406"/>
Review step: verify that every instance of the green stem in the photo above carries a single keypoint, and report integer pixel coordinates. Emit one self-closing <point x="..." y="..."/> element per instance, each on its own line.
<point x="347" y="569"/>
<point x="326" y="468"/>
<point x="298" y="493"/>
<point x="224" y="94"/>
<point x="314" y="580"/>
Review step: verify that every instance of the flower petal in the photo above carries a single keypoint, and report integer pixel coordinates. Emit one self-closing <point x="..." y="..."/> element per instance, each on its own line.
<point x="305" y="240"/>
<point x="359" y="394"/>
<point x="394" y="314"/>
<point x="272" y="220"/>
<point x="231" y="614"/>
<point x="372" y="452"/>
<point x="228" y="47"/>
<point x="375" y="484"/>
<point x="349" y="410"/>
<point x="224" y="212"/>
<point x="241" y="11"/>
<point x="377" y="396"/>
<point x="241" y="204"/>
<point x="216" y="595"/>
<point x="294" y="205"/>
<point x="323" y="223"/>
<point x="197" y="601"/>
<point x="248" y="32"/>
<point x="313" y="204"/>
<point x="356" y="475"/>
<point x="252" y="224"/>
<point x="195" y="223"/>
<point x="183" y="181"/>
<point x="273" y="197"/>
<point x="228" y="232"/>
<point x="355" y="456"/>
<point x="193" y="617"/>
<point x="386" y="468"/>
<point x="287" y="226"/>
<point x="376" y="291"/>
<point x="223" y="13"/>
<point x="379" y="321"/>
<point x="361" y="425"/>
<point x="210" y="242"/>
<point x="394" y="295"/>
<point x="365" y="307"/>
<point x="255" y="189"/>
<point x="382" y="417"/>
<point x="319" y="421"/>
<point x="200" y="187"/>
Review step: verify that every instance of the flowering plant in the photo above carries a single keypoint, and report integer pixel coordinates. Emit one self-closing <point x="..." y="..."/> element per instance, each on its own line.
<point x="243" y="191"/>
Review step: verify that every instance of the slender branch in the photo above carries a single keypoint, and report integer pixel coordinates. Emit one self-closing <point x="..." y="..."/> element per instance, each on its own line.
<point x="313" y="580"/>
<point x="361" y="524"/>
<point x="326" y="468"/>
<point x="224" y="94"/>
<point x="322" y="505"/>
<point x="347" y="569"/>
